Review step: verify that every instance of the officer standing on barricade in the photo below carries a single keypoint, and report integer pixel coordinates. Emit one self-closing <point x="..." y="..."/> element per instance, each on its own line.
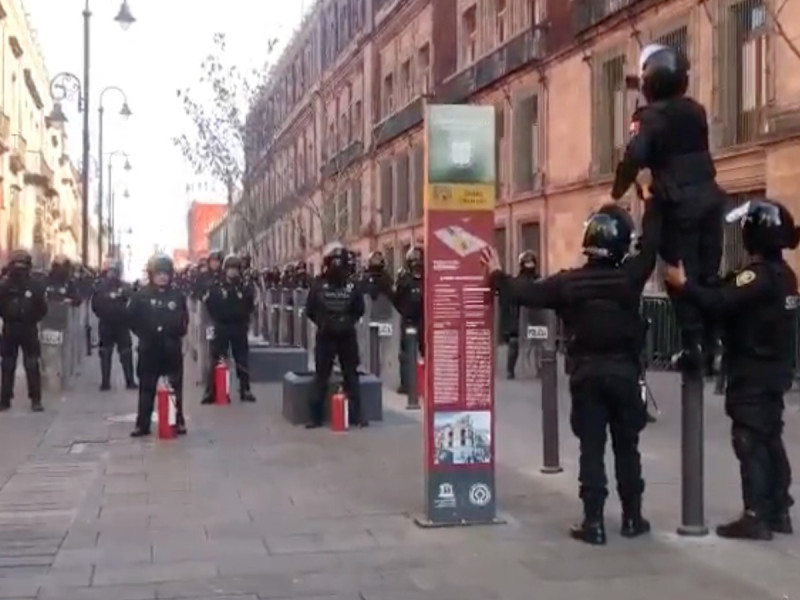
<point x="334" y="305"/>
<point x="59" y="284"/>
<point x="599" y="305"/>
<point x="670" y="138"/>
<point x="758" y="308"/>
<point x="409" y="300"/>
<point x="22" y="307"/>
<point x="510" y="313"/>
<point x="212" y="274"/>
<point x="110" y="304"/>
<point x="160" y="319"/>
<point x="230" y="302"/>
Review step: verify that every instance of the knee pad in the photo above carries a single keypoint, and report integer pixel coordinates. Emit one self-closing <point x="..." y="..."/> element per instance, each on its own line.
<point x="743" y="443"/>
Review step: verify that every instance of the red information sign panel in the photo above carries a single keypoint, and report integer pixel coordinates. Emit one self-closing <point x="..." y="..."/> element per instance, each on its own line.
<point x="459" y="386"/>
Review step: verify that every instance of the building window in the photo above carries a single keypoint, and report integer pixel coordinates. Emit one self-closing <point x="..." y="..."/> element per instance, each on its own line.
<point x="743" y="66"/>
<point x="387" y="194"/>
<point x="608" y="121"/>
<point x="342" y="214"/>
<point x="388" y="95"/>
<point x="500" y="21"/>
<point x="530" y="238"/>
<point x="424" y="69"/>
<point x="500" y="147"/>
<point x="418" y="172"/>
<point x="526" y="142"/>
<point x="344" y="131"/>
<point x="405" y="83"/>
<point x="332" y="140"/>
<point x="469" y="32"/>
<point x="358" y="124"/>
<point x="401" y="180"/>
<point x="355" y="206"/>
<point x="501" y="243"/>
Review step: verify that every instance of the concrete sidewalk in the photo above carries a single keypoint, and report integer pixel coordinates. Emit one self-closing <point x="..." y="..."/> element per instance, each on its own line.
<point x="248" y="507"/>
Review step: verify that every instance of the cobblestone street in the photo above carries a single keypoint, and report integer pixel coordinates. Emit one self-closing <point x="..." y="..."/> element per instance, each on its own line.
<point x="248" y="507"/>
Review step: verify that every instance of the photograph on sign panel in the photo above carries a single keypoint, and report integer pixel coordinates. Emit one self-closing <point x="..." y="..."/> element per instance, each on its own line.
<point x="461" y="144"/>
<point x="460" y="241"/>
<point x="462" y="437"/>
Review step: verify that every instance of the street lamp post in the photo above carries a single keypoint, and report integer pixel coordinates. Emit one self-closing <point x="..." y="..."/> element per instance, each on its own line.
<point x="65" y="85"/>
<point x="111" y="195"/>
<point x="125" y="112"/>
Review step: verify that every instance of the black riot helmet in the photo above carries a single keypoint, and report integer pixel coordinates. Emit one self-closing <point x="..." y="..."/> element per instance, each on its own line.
<point x="232" y="263"/>
<point x="415" y="260"/>
<point x="607" y="234"/>
<point x="376" y="261"/>
<point x="20" y="261"/>
<point x="301" y="268"/>
<point x="215" y="257"/>
<point x="335" y="260"/>
<point x="767" y="227"/>
<point x="528" y="262"/>
<point x="664" y="73"/>
<point x="158" y="265"/>
<point x="247" y="260"/>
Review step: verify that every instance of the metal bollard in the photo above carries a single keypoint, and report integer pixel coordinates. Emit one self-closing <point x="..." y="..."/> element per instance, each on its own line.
<point x="412" y="402"/>
<point x="692" y="484"/>
<point x="549" y="377"/>
<point x="374" y="349"/>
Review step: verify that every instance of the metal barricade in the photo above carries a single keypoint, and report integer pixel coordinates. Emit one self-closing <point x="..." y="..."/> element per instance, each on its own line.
<point x="300" y="337"/>
<point x="54" y="335"/>
<point x="381" y="319"/>
<point x="286" y="331"/>
<point x="273" y="308"/>
<point x="532" y="334"/>
<point x="206" y="333"/>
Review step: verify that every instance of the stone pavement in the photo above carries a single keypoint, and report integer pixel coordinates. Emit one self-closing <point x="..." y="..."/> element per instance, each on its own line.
<point x="247" y="507"/>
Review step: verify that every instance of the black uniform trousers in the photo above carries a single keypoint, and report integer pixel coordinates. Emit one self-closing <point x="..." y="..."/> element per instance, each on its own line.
<point x="112" y="335"/>
<point x="406" y="349"/>
<point x="757" y="437"/>
<point x="233" y="337"/>
<point x="696" y="241"/>
<point x="327" y="349"/>
<point x="18" y="337"/>
<point x="154" y="362"/>
<point x="603" y="402"/>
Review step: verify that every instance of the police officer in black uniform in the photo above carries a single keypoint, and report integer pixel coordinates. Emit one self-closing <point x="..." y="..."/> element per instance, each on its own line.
<point x="230" y="302"/>
<point x="212" y="273"/>
<point x="110" y="304"/>
<point x="302" y="279"/>
<point x="510" y="313"/>
<point x="599" y="305"/>
<point x="22" y="307"/>
<point x="758" y="306"/>
<point x="375" y="279"/>
<point x="408" y="299"/>
<point x="160" y="319"/>
<point x="334" y="305"/>
<point x="670" y="137"/>
<point x="59" y="284"/>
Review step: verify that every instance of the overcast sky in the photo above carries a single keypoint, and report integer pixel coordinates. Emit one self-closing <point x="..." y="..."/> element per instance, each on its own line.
<point x="159" y="54"/>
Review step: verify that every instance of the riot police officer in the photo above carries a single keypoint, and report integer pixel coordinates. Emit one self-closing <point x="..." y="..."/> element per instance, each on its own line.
<point x="230" y="302"/>
<point x="758" y="307"/>
<point x="301" y="275"/>
<point x="670" y="137"/>
<point x="212" y="274"/>
<point x="408" y="299"/>
<point x="22" y="307"/>
<point x="334" y="305"/>
<point x="59" y="285"/>
<point x="599" y="305"/>
<point x="110" y="304"/>
<point x="287" y="278"/>
<point x="376" y="279"/>
<point x="510" y="313"/>
<point x="160" y="319"/>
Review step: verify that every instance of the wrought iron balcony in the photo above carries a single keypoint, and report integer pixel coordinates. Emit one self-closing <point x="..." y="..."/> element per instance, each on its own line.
<point x="37" y="170"/>
<point x="5" y="132"/>
<point x="19" y="148"/>
<point x="587" y="13"/>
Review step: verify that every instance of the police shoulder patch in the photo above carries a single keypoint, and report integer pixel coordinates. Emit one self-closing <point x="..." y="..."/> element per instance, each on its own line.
<point x="744" y="278"/>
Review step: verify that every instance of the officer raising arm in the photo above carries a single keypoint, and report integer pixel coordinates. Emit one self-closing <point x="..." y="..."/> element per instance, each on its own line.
<point x="334" y="305"/>
<point x="758" y="307"/>
<point x="599" y="305"/>
<point x="159" y="318"/>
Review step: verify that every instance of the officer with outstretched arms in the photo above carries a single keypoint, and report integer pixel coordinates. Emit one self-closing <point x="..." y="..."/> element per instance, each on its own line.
<point x="334" y="305"/>
<point x="510" y="313"/>
<point x="409" y="300"/>
<point x="160" y="319"/>
<point x="758" y="307"/>
<point x="22" y="307"/>
<point x="110" y="304"/>
<point x="670" y="138"/>
<point x="599" y="306"/>
<point x="230" y="302"/>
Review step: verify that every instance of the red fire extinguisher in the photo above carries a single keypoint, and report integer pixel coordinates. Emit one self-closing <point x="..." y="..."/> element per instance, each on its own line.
<point x="165" y="410"/>
<point x="221" y="383"/>
<point x="340" y="419"/>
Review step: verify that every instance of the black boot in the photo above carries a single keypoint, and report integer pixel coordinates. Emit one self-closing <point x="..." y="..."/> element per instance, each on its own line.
<point x="5" y="405"/>
<point x="36" y="405"/>
<point x="139" y="432"/>
<point x="591" y="530"/>
<point x="208" y="397"/>
<point x="633" y="523"/>
<point x="747" y="527"/>
<point x="781" y="523"/>
<point x="247" y="396"/>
